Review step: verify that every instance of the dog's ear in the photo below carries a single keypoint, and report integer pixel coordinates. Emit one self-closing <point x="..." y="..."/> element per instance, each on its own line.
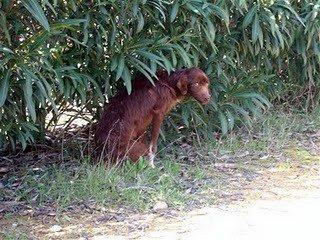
<point x="182" y="85"/>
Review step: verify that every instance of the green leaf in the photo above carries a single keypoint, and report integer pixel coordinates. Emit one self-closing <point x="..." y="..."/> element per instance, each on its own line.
<point x="86" y="29"/>
<point x="230" y="118"/>
<point x="30" y="126"/>
<point x="151" y="56"/>
<point x="249" y="16"/>
<point x="256" y="29"/>
<point x="223" y="122"/>
<point x="75" y="40"/>
<point x="222" y="14"/>
<point x="113" y="33"/>
<point x="95" y="85"/>
<point x="22" y="140"/>
<point x="28" y="92"/>
<point x="36" y="10"/>
<point x="167" y="63"/>
<point x="113" y="63"/>
<point x="143" y="68"/>
<point x="280" y="38"/>
<point x="144" y="72"/>
<point x="71" y="22"/>
<point x="4" y="87"/>
<point x="51" y="7"/>
<point x="4" y="27"/>
<point x="288" y="7"/>
<point x="185" y="114"/>
<point x="5" y="49"/>
<point x="174" y="58"/>
<point x="211" y="29"/>
<point x="120" y="67"/>
<point x="38" y="40"/>
<point x="126" y="76"/>
<point x="193" y="8"/>
<point x="140" y="22"/>
<point x="183" y="54"/>
<point x="174" y="11"/>
<point x="135" y="8"/>
<point x="209" y="37"/>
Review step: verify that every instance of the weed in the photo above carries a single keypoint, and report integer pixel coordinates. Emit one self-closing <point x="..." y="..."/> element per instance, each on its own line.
<point x="13" y="235"/>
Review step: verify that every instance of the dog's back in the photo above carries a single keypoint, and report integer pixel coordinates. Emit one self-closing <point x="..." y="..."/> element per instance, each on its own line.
<point x="121" y="130"/>
<point x="126" y="117"/>
<point x="124" y="109"/>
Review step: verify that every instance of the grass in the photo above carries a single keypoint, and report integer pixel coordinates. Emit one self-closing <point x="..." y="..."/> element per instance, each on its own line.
<point x="134" y="185"/>
<point x="15" y="235"/>
<point x="179" y="183"/>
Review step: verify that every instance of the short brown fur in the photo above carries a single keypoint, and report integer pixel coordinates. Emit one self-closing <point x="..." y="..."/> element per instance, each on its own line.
<point x="122" y="129"/>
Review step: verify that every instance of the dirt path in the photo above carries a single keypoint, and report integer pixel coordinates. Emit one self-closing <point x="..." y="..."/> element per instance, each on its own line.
<point x="289" y="208"/>
<point x="264" y="219"/>
<point x="284" y="203"/>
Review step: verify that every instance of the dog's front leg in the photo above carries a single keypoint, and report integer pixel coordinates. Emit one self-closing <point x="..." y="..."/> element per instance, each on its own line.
<point x="156" y="125"/>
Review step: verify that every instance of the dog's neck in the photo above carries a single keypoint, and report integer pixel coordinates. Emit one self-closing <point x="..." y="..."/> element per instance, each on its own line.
<point x="171" y="81"/>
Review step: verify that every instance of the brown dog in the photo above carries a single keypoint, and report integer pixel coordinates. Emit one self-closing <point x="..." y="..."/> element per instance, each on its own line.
<point x="122" y="128"/>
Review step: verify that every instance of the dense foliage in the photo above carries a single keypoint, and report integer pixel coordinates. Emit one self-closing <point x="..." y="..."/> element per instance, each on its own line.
<point x="55" y="54"/>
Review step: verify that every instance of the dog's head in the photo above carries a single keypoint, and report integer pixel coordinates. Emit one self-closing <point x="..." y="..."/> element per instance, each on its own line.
<point x="194" y="82"/>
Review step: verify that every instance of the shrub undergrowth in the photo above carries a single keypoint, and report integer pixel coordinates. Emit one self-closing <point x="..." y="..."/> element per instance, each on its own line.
<point x="59" y="57"/>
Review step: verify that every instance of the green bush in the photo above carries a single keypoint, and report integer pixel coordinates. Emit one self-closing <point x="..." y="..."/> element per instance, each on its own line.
<point x="55" y="53"/>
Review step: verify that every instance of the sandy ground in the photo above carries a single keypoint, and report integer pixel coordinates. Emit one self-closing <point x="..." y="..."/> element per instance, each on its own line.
<point x="282" y="204"/>
<point x="282" y="212"/>
<point x="264" y="219"/>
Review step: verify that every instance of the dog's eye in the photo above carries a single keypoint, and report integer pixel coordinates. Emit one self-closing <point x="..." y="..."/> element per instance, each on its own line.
<point x="196" y="84"/>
